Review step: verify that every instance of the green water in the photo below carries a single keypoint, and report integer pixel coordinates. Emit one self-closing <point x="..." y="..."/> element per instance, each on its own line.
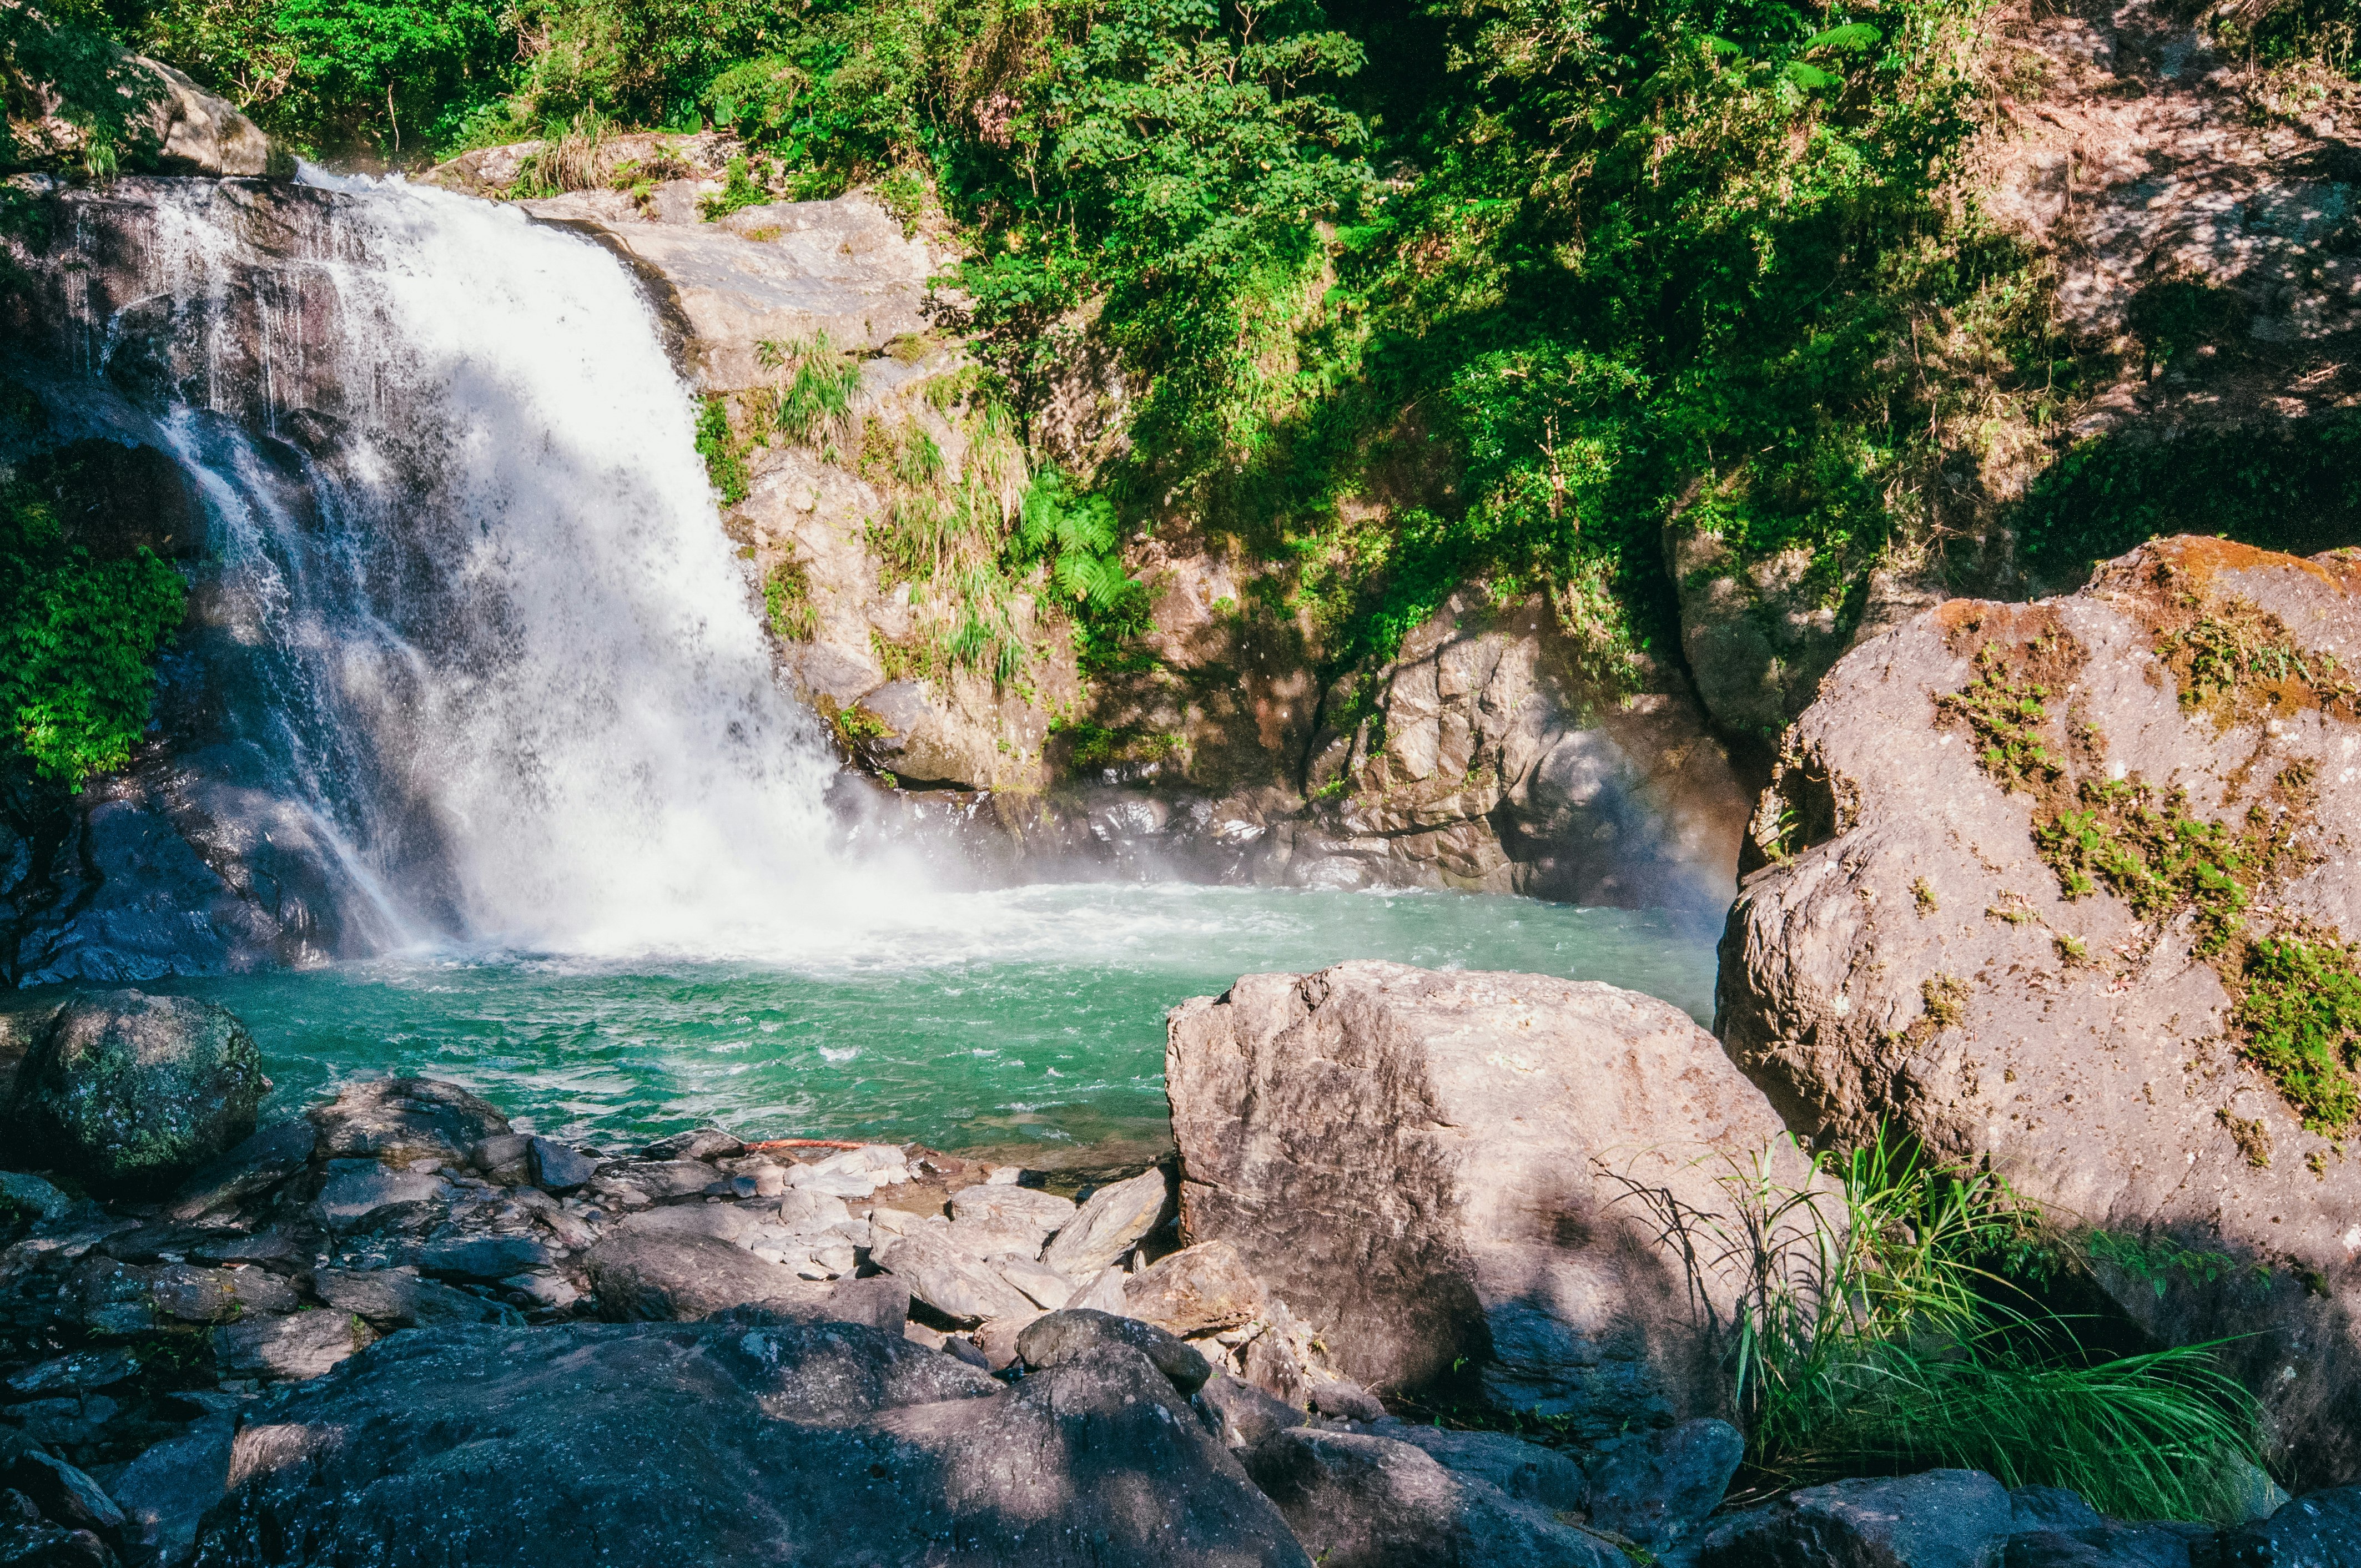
<point x="1015" y="1018"/>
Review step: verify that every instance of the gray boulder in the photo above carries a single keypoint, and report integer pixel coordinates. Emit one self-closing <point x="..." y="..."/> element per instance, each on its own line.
<point x="1199" y="1289"/>
<point x="1242" y="1415"/>
<point x="359" y="1192"/>
<point x="199" y="134"/>
<point x="1058" y="1338"/>
<point x="1111" y="1223"/>
<point x="2110" y="1543"/>
<point x="1970" y="933"/>
<point x="1525" y="1471"/>
<point x="2319" y="1530"/>
<point x="167" y="1489"/>
<point x="558" y="1168"/>
<point x="483" y="1258"/>
<point x="399" y="1121"/>
<point x="1943" y="1519"/>
<point x="1451" y="1166"/>
<point x="132" y="1092"/>
<point x="292" y="1349"/>
<point x="1657" y="1488"/>
<point x="961" y="1287"/>
<point x="675" y="1277"/>
<point x="389" y="1299"/>
<point x="1361" y="1501"/>
<point x="653" y="1446"/>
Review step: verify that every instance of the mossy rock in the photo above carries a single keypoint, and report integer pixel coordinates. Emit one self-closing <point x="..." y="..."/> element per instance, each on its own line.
<point x="130" y="1092"/>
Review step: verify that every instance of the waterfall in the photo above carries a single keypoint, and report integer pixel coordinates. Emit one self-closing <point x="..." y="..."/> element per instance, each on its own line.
<point x="510" y="670"/>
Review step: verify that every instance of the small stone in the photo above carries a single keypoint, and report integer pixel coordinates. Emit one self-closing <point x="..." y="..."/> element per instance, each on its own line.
<point x="1112" y="1224"/>
<point x="558" y="1168"/>
<point x="802" y="1208"/>
<point x="1059" y="1337"/>
<point x="919" y="1333"/>
<point x="1345" y="1400"/>
<point x="1003" y="1175"/>
<point x="967" y="1350"/>
<point x="483" y="1257"/>
<point x="1102" y="1292"/>
<point x="1525" y="1471"/>
<point x="499" y="1150"/>
<point x="548" y="1291"/>
<point x="672" y="1277"/>
<point x="745" y="1186"/>
<point x="290" y="1349"/>
<point x="997" y="1339"/>
<point x="385" y="1296"/>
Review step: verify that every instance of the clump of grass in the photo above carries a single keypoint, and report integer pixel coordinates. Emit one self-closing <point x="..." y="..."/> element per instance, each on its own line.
<point x="1876" y="1331"/>
<point x="2238" y="653"/>
<point x="576" y="156"/>
<point x="816" y="389"/>
<point x="725" y="457"/>
<point x="1924" y="894"/>
<point x="787" y="603"/>
<point x="2302" y="1014"/>
<point x="1945" y="997"/>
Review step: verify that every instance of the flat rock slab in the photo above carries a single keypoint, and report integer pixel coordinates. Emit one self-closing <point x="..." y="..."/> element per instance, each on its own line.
<point x="398" y="1119"/>
<point x="1114" y="1219"/>
<point x="677" y="1277"/>
<point x="1451" y="1167"/>
<point x="655" y="1446"/>
<point x="1942" y="1519"/>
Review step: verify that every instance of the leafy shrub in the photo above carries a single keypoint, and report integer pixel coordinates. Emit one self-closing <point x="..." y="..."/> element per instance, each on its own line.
<point x="78" y="640"/>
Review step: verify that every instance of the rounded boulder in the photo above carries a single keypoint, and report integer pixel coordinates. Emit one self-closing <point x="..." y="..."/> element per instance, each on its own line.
<point x="130" y="1091"/>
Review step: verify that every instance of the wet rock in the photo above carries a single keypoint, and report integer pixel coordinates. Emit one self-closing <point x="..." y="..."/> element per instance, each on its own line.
<point x="1077" y="1335"/>
<point x="358" y="1192"/>
<point x="1656" y="1488"/>
<point x="63" y="1494"/>
<point x="674" y="1277"/>
<point x="1913" y="963"/>
<point x="1358" y="1501"/>
<point x="2108" y="1543"/>
<point x="165" y="1491"/>
<point x="559" y="1168"/>
<point x="78" y="1374"/>
<point x="1451" y="1166"/>
<point x="1196" y="1290"/>
<point x="963" y="1289"/>
<point x="389" y="1299"/>
<point x="651" y="1446"/>
<point x="196" y="1295"/>
<point x="1117" y="1217"/>
<point x="253" y="1168"/>
<point x="131" y="1092"/>
<point x="290" y="1349"/>
<point x="399" y="1121"/>
<point x="482" y="1257"/>
<point x="1943" y="1519"/>
<point x="1525" y="1471"/>
<point x="1242" y="1415"/>
<point x="2319" y="1530"/>
<point x="698" y="1143"/>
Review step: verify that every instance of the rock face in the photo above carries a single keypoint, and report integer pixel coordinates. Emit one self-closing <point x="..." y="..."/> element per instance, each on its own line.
<point x="131" y="1091"/>
<point x="830" y="1443"/>
<point x="1450" y="1165"/>
<point x="200" y="133"/>
<point x="2066" y="886"/>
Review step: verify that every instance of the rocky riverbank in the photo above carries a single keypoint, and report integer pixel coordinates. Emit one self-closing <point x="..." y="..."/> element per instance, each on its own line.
<point x="398" y="1318"/>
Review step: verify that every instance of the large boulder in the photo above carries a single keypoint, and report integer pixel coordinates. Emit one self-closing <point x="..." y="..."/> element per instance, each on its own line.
<point x="197" y="133"/>
<point x="1452" y="1166"/>
<point x="133" y="1091"/>
<point x="2071" y="887"/>
<point x="649" y="1445"/>
<point x="402" y="1120"/>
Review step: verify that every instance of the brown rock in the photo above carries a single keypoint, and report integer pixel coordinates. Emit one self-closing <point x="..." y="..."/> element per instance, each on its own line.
<point x="1196" y="1290"/>
<point x="1437" y="1166"/>
<point x="677" y="1277"/>
<point x="1913" y="958"/>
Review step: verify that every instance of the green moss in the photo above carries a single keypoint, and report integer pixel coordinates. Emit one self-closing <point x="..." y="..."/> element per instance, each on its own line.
<point x="1097" y="746"/>
<point x="1945" y="997"/>
<point x="724" y="454"/>
<point x="2300" y="1011"/>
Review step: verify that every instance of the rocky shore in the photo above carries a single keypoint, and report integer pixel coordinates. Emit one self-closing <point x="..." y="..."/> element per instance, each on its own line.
<point x="398" y="1328"/>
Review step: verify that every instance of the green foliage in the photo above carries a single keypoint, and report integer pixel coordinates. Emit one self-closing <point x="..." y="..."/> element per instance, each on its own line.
<point x="2223" y="656"/>
<point x="1877" y="1330"/>
<point x="2294" y="487"/>
<point x="78" y="640"/>
<point x="2146" y="849"/>
<point x="58" y="59"/>
<point x="739" y="189"/>
<point x="2006" y="712"/>
<point x="725" y="458"/>
<point x="815" y="401"/>
<point x="2302" y="1015"/>
<point x="2156" y="1263"/>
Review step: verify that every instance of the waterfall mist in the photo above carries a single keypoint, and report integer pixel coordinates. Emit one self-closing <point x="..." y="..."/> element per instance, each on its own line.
<point x="513" y="683"/>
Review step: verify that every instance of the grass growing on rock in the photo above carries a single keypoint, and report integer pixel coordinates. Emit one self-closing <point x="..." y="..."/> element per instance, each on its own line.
<point x="1880" y="1329"/>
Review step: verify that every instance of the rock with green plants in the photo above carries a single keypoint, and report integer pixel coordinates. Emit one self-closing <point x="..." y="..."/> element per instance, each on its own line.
<point x="2069" y="887"/>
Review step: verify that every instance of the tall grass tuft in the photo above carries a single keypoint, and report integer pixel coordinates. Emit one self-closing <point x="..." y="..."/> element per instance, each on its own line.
<point x="815" y="403"/>
<point x="1876" y="1329"/>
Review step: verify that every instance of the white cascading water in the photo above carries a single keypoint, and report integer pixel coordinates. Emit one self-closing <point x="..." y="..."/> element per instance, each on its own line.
<point x="548" y="721"/>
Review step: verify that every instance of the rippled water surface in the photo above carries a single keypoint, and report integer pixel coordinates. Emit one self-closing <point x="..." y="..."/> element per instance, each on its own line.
<point x="1029" y="1017"/>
